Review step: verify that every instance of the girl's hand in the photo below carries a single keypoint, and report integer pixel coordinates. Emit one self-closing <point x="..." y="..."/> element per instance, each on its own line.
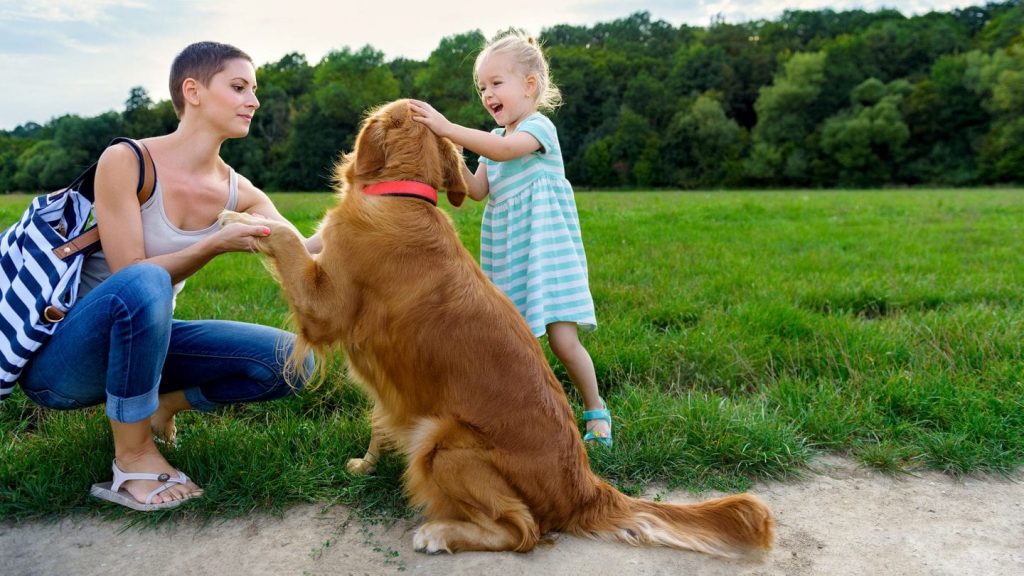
<point x="425" y="114"/>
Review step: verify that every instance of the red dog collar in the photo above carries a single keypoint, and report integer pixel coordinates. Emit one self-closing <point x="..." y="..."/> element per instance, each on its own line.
<point x="407" y="188"/>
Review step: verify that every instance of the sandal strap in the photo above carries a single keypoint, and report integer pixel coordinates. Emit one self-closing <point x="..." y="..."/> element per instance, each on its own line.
<point x="120" y="477"/>
<point x="169" y="484"/>
<point x="601" y="414"/>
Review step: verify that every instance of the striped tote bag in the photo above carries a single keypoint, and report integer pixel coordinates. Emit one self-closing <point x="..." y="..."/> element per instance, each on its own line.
<point x="41" y="260"/>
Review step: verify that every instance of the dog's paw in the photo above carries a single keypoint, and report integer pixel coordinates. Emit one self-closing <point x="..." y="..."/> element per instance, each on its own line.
<point x="231" y="217"/>
<point x="430" y="539"/>
<point x="360" y="467"/>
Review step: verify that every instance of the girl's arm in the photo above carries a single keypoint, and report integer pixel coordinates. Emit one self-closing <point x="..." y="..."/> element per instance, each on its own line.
<point x="493" y="146"/>
<point x="117" y="207"/>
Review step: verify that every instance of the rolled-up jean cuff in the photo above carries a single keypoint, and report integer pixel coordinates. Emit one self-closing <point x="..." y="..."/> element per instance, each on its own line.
<point x="129" y="410"/>
<point x="198" y="401"/>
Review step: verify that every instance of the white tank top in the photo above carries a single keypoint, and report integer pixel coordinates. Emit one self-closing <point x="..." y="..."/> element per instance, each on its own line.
<point x="159" y="235"/>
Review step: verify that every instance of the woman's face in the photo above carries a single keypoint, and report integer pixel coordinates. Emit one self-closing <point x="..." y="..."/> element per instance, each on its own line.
<point x="231" y="97"/>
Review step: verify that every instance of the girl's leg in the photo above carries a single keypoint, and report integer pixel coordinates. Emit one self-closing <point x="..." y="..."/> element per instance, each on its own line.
<point x="565" y="343"/>
<point x="110" y="348"/>
<point x="211" y="363"/>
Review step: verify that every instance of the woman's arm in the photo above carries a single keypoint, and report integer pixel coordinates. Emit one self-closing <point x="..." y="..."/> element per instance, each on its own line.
<point x="252" y="200"/>
<point x="117" y="208"/>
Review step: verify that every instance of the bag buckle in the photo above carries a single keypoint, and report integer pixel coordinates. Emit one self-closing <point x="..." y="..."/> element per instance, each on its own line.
<point x="52" y="314"/>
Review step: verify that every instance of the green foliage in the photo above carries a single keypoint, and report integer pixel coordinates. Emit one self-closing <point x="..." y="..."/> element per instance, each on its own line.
<point x="702" y="147"/>
<point x="447" y="80"/>
<point x="629" y="114"/>
<point x="867" y="139"/>
<point x="786" y="125"/>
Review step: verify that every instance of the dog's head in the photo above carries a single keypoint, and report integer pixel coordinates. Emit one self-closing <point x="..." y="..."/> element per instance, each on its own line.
<point x="392" y="146"/>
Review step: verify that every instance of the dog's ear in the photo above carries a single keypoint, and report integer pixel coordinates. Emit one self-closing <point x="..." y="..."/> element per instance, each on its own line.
<point x="454" y="183"/>
<point x="370" y="147"/>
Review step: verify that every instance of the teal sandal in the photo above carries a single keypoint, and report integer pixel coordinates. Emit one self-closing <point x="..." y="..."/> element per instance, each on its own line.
<point x="602" y="414"/>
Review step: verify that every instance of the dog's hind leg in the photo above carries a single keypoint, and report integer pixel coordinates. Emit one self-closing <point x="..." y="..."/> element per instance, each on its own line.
<point x="368" y="463"/>
<point x="469" y="504"/>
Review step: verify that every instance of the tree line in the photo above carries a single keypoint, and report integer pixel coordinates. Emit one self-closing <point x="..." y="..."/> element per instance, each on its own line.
<point x="813" y="99"/>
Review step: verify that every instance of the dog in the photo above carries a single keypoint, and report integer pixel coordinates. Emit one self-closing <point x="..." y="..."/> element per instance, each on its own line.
<point x="460" y="386"/>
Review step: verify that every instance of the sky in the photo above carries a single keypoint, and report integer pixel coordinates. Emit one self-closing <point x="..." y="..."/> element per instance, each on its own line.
<point x="84" y="56"/>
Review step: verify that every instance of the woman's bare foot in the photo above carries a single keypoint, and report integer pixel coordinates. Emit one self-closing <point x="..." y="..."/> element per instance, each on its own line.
<point x="162" y="425"/>
<point x="162" y="421"/>
<point x="152" y="462"/>
<point x="135" y="451"/>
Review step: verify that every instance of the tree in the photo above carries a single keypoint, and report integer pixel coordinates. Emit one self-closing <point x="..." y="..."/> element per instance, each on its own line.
<point x="142" y="118"/>
<point x="866" y="140"/>
<point x="1001" y="81"/>
<point x="634" y="151"/>
<point x="788" y="114"/>
<point x="703" y="146"/>
<point x="345" y="85"/>
<point x="947" y="121"/>
<point x="590" y="115"/>
<point x="447" y="80"/>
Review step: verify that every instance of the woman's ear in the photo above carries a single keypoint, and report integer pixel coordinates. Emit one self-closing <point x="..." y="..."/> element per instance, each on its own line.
<point x="190" y="91"/>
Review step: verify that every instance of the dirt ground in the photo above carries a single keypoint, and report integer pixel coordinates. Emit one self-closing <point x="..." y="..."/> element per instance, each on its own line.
<point x="839" y="520"/>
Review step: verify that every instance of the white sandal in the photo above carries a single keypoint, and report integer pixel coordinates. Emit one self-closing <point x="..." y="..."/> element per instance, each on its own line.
<point x="114" y="492"/>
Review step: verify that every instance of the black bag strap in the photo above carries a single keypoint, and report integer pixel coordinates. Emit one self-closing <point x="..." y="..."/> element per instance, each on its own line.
<point x="89" y="240"/>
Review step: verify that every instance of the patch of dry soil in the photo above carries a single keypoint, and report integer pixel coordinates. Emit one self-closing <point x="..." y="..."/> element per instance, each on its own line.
<point x="839" y="520"/>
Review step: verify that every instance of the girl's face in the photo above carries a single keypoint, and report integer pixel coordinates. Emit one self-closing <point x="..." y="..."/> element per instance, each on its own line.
<point x="230" y="98"/>
<point x="506" y="93"/>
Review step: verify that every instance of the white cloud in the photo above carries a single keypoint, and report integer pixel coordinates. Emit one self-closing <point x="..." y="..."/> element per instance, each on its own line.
<point x="86" y="11"/>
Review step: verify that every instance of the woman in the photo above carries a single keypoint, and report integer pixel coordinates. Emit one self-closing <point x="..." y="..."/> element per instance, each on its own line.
<point x="120" y="337"/>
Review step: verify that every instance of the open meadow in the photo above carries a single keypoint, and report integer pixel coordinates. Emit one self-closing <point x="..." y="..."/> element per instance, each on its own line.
<point x="740" y="334"/>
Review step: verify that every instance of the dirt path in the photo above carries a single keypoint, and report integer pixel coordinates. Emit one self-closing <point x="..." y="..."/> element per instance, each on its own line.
<point x="840" y="520"/>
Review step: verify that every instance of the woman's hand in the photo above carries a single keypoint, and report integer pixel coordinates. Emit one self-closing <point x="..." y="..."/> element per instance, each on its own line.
<point x="238" y="237"/>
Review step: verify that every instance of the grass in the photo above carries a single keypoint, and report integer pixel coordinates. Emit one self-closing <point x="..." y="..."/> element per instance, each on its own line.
<point x="740" y="333"/>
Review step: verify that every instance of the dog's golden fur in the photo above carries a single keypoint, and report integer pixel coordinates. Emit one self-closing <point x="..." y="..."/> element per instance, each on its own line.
<point x="460" y="385"/>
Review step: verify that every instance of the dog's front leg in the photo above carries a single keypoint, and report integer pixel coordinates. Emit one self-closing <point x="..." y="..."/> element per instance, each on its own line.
<point x="297" y="271"/>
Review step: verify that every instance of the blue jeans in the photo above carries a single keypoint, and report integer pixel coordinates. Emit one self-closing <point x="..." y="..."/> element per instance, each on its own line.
<point x="120" y="345"/>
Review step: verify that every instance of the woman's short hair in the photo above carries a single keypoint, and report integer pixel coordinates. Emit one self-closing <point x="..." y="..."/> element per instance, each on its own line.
<point x="200" y="61"/>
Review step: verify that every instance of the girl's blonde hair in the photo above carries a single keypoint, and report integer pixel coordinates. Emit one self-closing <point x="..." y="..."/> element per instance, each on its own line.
<point x="526" y="52"/>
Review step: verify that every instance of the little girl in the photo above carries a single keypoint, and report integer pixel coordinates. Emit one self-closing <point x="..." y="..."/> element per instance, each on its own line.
<point x="530" y="242"/>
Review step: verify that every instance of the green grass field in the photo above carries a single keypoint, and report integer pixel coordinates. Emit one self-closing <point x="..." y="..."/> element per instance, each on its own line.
<point x="740" y="333"/>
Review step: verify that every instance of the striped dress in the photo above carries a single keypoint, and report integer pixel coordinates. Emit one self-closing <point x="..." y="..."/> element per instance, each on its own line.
<point x="530" y="241"/>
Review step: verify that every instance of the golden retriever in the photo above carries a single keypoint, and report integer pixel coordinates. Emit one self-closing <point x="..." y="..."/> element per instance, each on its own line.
<point x="461" y="387"/>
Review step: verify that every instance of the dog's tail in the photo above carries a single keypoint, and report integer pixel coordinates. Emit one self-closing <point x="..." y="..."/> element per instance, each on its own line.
<point x="729" y="526"/>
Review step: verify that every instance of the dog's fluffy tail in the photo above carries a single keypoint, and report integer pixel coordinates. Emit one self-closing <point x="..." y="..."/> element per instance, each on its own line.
<point x="729" y="526"/>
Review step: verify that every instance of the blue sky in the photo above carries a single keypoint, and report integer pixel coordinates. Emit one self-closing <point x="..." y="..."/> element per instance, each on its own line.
<point x="83" y="56"/>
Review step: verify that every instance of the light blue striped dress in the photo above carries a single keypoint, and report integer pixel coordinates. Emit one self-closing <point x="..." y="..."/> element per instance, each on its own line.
<point x="530" y="241"/>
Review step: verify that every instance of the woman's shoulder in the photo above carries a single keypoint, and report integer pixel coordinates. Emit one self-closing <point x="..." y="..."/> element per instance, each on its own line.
<point x="118" y="159"/>
<point x="248" y="194"/>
